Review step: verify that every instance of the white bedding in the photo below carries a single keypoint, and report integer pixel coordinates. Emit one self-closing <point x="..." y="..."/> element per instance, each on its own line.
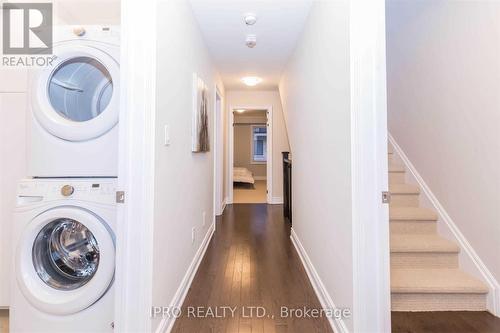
<point x="242" y="175"/>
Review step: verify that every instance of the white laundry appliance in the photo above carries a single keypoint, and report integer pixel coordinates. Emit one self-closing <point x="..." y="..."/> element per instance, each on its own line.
<point x="64" y="256"/>
<point x="74" y="106"/>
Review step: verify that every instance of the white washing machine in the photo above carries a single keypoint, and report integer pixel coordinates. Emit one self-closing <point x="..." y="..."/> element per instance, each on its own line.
<point x="74" y="106"/>
<point x="64" y="256"/>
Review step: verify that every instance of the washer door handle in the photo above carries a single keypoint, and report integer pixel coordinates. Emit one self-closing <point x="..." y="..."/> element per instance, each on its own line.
<point x="66" y="85"/>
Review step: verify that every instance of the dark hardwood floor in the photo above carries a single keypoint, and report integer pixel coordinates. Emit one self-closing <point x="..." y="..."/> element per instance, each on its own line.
<point x="250" y="261"/>
<point x="445" y="322"/>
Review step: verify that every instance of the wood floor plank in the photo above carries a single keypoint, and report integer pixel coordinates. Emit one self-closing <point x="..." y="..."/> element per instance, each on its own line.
<point x="445" y="322"/>
<point x="251" y="264"/>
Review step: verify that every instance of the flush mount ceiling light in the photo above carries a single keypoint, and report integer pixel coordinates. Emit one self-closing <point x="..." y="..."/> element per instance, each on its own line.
<point x="250" y="19"/>
<point x="251" y="80"/>
<point x="240" y="110"/>
<point x="251" y="41"/>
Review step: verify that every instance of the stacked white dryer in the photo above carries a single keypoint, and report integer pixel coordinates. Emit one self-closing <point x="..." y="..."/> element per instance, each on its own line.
<point x="64" y="229"/>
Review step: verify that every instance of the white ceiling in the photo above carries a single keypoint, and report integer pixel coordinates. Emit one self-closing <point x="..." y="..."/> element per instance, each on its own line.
<point x="279" y="24"/>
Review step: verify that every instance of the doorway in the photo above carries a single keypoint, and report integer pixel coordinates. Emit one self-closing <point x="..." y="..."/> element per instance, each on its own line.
<point x="218" y="153"/>
<point x="250" y="155"/>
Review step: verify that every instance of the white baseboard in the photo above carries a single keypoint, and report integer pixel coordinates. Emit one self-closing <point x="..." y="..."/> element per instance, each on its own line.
<point x="167" y="323"/>
<point x="276" y="201"/>
<point x="472" y="262"/>
<point x="337" y="325"/>
<point x="224" y="204"/>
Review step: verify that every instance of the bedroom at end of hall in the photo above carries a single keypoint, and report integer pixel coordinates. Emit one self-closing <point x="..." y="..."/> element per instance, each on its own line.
<point x="250" y="156"/>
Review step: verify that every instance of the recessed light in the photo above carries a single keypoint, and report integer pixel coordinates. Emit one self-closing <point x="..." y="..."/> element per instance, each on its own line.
<point x="250" y="19"/>
<point x="240" y="110"/>
<point x="251" y="80"/>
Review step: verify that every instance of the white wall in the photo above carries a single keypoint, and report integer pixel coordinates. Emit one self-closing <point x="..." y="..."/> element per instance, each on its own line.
<point x="249" y="98"/>
<point x="443" y="63"/>
<point x="182" y="194"/>
<point x="12" y="163"/>
<point x="13" y="88"/>
<point x="74" y="12"/>
<point x="315" y="90"/>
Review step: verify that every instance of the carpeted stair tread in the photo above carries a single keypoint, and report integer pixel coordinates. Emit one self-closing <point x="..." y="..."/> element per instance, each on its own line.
<point x="422" y="243"/>
<point x="404" y="189"/>
<point x="396" y="168"/>
<point x="436" y="280"/>
<point x="412" y="214"/>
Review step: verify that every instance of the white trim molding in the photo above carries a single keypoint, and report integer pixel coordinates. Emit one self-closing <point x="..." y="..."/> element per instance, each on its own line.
<point x="230" y="147"/>
<point x="168" y="322"/>
<point x="326" y="301"/>
<point x="134" y="241"/>
<point x="369" y="169"/>
<point x="218" y="139"/>
<point x="277" y="201"/>
<point x="224" y="204"/>
<point x="469" y="259"/>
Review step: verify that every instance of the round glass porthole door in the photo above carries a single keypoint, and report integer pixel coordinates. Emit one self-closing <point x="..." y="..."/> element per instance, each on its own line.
<point x="65" y="260"/>
<point x="65" y="254"/>
<point x="80" y="89"/>
<point x="77" y="97"/>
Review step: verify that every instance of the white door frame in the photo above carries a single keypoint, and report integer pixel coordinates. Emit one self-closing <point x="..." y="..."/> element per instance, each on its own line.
<point x="269" y="149"/>
<point x="218" y="152"/>
<point x="370" y="219"/>
<point x="134" y="234"/>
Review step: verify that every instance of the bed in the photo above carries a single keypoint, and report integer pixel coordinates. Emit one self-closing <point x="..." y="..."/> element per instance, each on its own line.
<point x="242" y="175"/>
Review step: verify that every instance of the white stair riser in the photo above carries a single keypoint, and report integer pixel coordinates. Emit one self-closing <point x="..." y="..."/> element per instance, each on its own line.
<point x="413" y="227"/>
<point x="438" y="302"/>
<point x="424" y="260"/>
<point x="404" y="200"/>
<point x="396" y="177"/>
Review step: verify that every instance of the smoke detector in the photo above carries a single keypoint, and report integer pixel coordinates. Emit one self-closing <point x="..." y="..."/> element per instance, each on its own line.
<point x="251" y="41"/>
<point x="250" y="19"/>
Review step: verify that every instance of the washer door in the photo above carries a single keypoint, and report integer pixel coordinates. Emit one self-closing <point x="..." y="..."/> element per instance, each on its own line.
<point x="76" y="99"/>
<point x="65" y="260"/>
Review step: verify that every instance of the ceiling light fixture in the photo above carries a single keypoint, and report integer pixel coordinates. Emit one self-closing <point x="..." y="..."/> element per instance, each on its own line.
<point x="251" y="80"/>
<point x="240" y="110"/>
<point x="250" y="19"/>
<point x="251" y="41"/>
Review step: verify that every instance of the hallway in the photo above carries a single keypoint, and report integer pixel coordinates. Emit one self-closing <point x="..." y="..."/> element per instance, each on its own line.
<point x="251" y="261"/>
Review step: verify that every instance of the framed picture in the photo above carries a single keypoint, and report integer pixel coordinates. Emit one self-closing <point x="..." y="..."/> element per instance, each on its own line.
<point x="200" y="136"/>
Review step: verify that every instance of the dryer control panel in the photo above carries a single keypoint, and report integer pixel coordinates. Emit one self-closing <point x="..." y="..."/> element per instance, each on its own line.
<point x="91" y="190"/>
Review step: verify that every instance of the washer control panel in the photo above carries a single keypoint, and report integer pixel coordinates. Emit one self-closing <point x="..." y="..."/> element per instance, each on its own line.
<point x="92" y="190"/>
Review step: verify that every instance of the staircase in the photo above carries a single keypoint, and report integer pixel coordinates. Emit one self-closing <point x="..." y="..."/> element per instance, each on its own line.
<point x="425" y="274"/>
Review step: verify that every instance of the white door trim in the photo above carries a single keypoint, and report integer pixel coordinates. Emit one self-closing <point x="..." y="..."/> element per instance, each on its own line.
<point x="134" y="236"/>
<point x="218" y="152"/>
<point x="230" y="152"/>
<point x="370" y="220"/>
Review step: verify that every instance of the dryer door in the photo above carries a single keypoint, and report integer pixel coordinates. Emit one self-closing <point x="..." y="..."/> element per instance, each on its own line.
<point x="65" y="260"/>
<point x="76" y="99"/>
